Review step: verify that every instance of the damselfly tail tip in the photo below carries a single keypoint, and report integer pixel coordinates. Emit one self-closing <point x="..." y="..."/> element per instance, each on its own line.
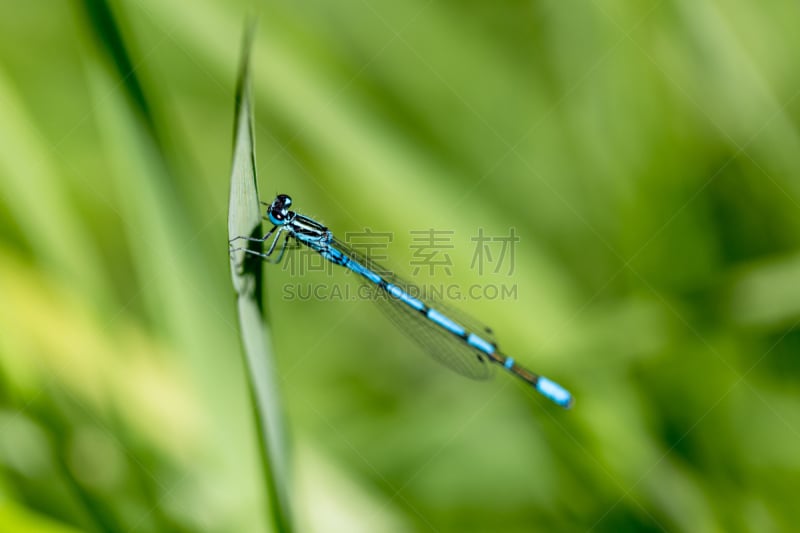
<point x="555" y="392"/>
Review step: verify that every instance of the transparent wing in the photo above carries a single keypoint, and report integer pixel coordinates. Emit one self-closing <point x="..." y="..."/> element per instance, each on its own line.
<point x="439" y="344"/>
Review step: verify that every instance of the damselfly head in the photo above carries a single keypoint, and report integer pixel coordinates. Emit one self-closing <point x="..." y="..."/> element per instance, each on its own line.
<point x="278" y="211"/>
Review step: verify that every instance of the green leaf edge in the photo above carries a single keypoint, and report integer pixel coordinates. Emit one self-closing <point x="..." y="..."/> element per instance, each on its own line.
<point x="244" y="218"/>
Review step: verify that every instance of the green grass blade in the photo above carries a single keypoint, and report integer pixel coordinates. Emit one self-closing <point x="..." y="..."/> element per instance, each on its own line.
<point x="244" y="218"/>
<point x="103" y="23"/>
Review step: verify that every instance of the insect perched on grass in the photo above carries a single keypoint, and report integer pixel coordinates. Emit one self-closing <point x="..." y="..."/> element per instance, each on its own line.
<point x="450" y="337"/>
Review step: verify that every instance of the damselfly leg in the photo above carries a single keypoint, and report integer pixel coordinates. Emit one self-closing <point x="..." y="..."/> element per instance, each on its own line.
<point x="267" y="256"/>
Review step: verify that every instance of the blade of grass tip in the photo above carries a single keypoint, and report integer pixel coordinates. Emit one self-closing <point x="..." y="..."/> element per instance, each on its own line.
<point x="244" y="218"/>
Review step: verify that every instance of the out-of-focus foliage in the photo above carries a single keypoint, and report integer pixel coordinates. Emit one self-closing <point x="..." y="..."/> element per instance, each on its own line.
<point x="646" y="153"/>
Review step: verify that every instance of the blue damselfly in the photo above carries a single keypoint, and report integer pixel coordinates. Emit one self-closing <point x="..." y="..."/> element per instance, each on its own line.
<point x="449" y="336"/>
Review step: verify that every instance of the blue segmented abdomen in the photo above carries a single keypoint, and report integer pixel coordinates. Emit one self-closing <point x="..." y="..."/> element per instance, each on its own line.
<point x="550" y="389"/>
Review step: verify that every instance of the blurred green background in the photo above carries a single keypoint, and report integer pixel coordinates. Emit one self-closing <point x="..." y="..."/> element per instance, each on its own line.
<point x="646" y="153"/>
